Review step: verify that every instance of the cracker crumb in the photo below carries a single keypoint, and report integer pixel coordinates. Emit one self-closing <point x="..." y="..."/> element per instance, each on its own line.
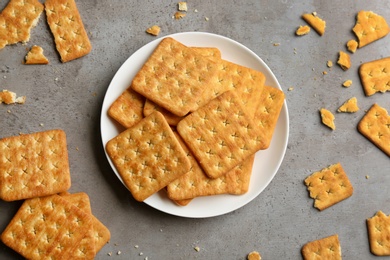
<point x="314" y="13"/>
<point x="154" y="30"/>
<point x="179" y="15"/>
<point x="302" y="30"/>
<point x="197" y="249"/>
<point x="329" y="63"/>
<point x="140" y="253"/>
<point x="347" y="83"/>
<point x="352" y="45"/>
<point x="109" y="254"/>
<point x="254" y="255"/>
<point x="196" y="10"/>
<point x="136" y="246"/>
<point x="367" y="177"/>
<point x="344" y="60"/>
<point x="182" y="6"/>
<point x="276" y="44"/>
<point x="206" y="18"/>
<point x="119" y="252"/>
<point x="8" y="111"/>
<point x="290" y="89"/>
<point x="324" y="72"/>
<point x="41" y="124"/>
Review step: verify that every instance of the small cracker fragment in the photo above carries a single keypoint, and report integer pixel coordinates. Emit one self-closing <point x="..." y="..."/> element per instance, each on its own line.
<point x="254" y="255"/>
<point x="349" y="106"/>
<point x="36" y="56"/>
<point x="375" y="76"/>
<point x="127" y="109"/>
<point x="379" y="234"/>
<point x="148" y="156"/>
<point x="344" y="60"/>
<point x="325" y="248"/>
<point x="375" y="126"/>
<point x="329" y="186"/>
<point x="179" y="15"/>
<point x="329" y="63"/>
<point x="352" y="45"/>
<point x="50" y="227"/>
<point x="347" y="83"/>
<point x="370" y="27"/>
<point x="154" y="30"/>
<point x="182" y="6"/>
<point x="314" y="21"/>
<point x="9" y="97"/>
<point x="327" y="118"/>
<point x="65" y="23"/>
<point x="302" y="30"/>
<point x="221" y="135"/>
<point x="17" y="19"/>
<point x="33" y="165"/>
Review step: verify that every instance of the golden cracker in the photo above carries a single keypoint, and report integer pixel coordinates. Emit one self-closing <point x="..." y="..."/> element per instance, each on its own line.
<point x="325" y="248"/>
<point x="33" y="165"/>
<point x="349" y="106"/>
<point x="154" y="30"/>
<point x="375" y="126"/>
<point x="148" y="156"/>
<point x="375" y="76"/>
<point x="315" y="22"/>
<point x="327" y="118"/>
<point x="174" y="76"/>
<point x="17" y="19"/>
<point x="65" y="23"/>
<point x="302" y="30"/>
<point x="9" y="97"/>
<point x="352" y="45"/>
<point x="36" y="56"/>
<point x="221" y="135"/>
<point x="329" y="186"/>
<point x="378" y="228"/>
<point x="344" y="60"/>
<point x="369" y="27"/>
<point x="127" y="109"/>
<point x="50" y="227"/>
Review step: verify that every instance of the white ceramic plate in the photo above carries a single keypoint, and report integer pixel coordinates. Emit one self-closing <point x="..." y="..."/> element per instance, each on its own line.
<point x="267" y="162"/>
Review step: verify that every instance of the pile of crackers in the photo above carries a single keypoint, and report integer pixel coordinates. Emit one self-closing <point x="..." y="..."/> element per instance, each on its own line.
<point x="51" y="222"/>
<point x="193" y="123"/>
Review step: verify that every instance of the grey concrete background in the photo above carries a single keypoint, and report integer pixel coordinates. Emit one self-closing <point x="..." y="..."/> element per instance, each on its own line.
<point x="282" y="218"/>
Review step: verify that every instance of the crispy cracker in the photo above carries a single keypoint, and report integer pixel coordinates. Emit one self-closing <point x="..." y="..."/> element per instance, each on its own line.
<point x="50" y="227"/>
<point x="221" y="135"/>
<point x="327" y="118"/>
<point x="379" y="234"/>
<point x="375" y="76"/>
<point x="375" y="126"/>
<point x="315" y="22"/>
<point x="369" y="27"/>
<point x="36" y="56"/>
<point x="148" y="156"/>
<point x="154" y="30"/>
<point x="9" y="97"/>
<point x="329" y="186"/>
<point x="352" y="45"/>
<point x="302" y="30"/>
<point x="344" y="60"/>
<point x="127" y="109"/>
<point x="174" y="77"/>
<point x="17" y="19"/>
<point x="33" y="165"/>
<point x="347" y="83"/>
<point x="68" y="30"/>
<point x="325" y="248"/>
<point x="349" y="106"/>
<point x="254" y="255"/>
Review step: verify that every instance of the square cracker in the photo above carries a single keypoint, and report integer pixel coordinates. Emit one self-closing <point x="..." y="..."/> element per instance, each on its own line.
<point x="174" y="76"/>
<point x="221" y="135"/>
<point x="65" y="23"/>
<point x="329" y="186"/>
<point x="369" y="27"/>
<point x="379" y="234"/>
<point x="325" y="248"/>
<point x="17" y="19"/>
<point x="33" y="165"/>
<point x="148" y="156"/>
<point x="375" y="126"/>
<point x="50" y="227"/>
<point x="375" y="76"/>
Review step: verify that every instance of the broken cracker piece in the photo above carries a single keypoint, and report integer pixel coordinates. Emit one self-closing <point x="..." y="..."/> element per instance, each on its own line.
<point x="327" y="118"/>
<point x="347" y="83"/>
<point x="379" y="234"/>
<point x="36" y="56"/>
<point x="344" y="60"/>
<point x="179" y="15"/>
<point x="8" y="97"/>
<point x="352" y="45"/>
<point x="254" y="255"/>
<point x="325" y="248"/>
<point x="182" y="6"/>
<point x="154" y="30"/>
<point x="314" y="21"/>
<point x="302" y="30"/>
<point x="349" y="106"/>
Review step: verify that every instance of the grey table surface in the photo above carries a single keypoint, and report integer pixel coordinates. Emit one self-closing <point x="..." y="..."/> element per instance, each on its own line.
<point x="279" y="221"/>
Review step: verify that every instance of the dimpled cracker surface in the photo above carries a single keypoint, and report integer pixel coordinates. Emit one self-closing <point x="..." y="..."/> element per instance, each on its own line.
<point x="128" y="108"/>
<point x="329" y="186"/>
<point x="375" y="76"/>
<point x="174" y="76"/>
<point x="17" y="19"/>
<point x="33" y="165"/>
<point x="50" y="228"/>
<point x="148" y="156"/>
<point x="369" y="27"/>
<point x="378" y="228"/>
<point x="196" y="183"/>
<point x="325" y="248"/>
<point x="68" y="29"/>
<point x="375" y="126"/>
<point x="221" y="135"/>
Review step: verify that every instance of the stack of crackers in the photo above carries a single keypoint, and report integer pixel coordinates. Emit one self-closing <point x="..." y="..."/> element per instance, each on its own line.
<point x="193" y="124"/>
<point x="51" y="223"/>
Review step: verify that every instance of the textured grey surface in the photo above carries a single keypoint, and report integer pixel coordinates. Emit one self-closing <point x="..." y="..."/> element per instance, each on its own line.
<point x="281" y="219"/>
